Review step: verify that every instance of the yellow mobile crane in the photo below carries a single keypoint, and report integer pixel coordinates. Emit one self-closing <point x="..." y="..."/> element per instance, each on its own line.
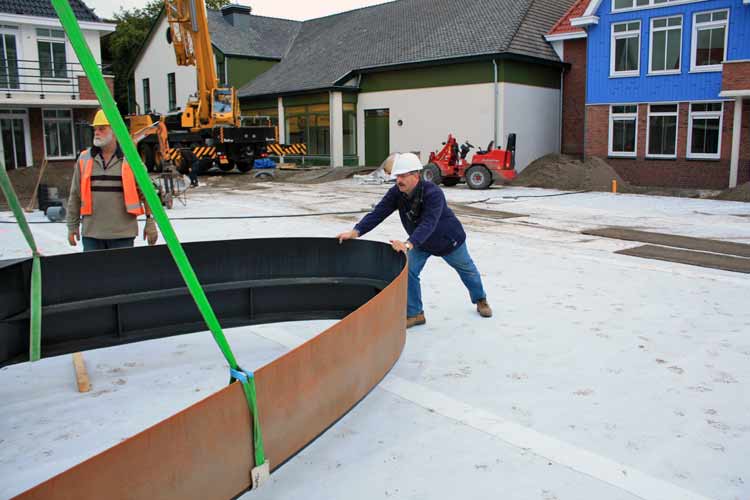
<point x="208" y="128"/>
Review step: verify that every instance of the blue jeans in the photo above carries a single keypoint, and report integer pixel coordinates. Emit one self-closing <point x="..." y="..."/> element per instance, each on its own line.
<point x="459" y="259"/>
<point x="91" y="244"/>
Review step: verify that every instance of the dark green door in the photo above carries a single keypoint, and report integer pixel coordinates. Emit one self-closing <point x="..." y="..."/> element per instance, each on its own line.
<point x="377" y="144"/>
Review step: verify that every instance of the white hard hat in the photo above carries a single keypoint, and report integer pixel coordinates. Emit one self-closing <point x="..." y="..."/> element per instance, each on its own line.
<point x="405" y="163"/>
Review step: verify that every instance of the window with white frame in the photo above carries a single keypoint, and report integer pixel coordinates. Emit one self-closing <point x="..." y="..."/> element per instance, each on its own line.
<point x="628" y="4"/>
<point x="666" y="45"/>
<point x="146" y="96"/>
<point x="58" y="133"/>
<point x="51" y="46"/>
<point x="704" y="130"/>
<point x="171" y="91"/>
<point x="662" y="131"/>
<point x="625" y="54"/>
<point x="623" y="130"/>
<point x="709" y="48"/>
<point x="620" y="5"/>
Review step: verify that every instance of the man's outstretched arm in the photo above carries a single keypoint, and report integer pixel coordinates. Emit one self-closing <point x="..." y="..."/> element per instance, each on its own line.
<point x="382" y="210"/>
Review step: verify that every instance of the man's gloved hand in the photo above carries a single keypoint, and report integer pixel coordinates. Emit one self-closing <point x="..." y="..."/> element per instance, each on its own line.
<point x="150" y="233"/>
<point x="73" y="236"/>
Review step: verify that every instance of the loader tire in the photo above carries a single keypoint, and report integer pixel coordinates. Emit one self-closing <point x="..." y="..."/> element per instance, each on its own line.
<point x="432" y="173"/>
<point x="478" y="177"/>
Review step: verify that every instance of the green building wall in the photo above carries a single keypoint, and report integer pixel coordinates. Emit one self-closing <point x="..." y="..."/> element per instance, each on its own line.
<point x="242" y="70"/>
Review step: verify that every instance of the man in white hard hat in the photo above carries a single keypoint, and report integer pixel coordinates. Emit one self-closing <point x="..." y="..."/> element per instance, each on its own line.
<point x="433" y="230"/>
<point x="104" y="197"/>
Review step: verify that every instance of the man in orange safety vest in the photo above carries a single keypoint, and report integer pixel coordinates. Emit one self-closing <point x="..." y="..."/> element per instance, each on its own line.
<point x="104" y="197"/>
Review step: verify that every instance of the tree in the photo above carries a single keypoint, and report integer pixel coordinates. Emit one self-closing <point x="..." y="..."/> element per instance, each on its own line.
<point x="124" y="44"/>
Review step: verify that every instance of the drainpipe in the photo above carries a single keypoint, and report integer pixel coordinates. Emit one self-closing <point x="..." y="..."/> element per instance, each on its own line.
<point x="736" y="136"/>
<point x="281" y="128"/>
<point x="497" y="103"/>
<point x="562" y="96"/>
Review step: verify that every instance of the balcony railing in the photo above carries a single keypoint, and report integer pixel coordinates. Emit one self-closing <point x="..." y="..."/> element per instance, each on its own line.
<point x="22" y="77"/>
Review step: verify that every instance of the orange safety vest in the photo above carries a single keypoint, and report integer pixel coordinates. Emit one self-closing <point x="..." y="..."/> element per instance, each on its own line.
<point x="129" y="187"/>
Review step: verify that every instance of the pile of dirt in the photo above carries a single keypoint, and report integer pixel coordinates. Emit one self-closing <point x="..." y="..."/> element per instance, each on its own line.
<point x="24" y="180"/>
<point x="568" y="173"/>
<point x="739" y="193"/>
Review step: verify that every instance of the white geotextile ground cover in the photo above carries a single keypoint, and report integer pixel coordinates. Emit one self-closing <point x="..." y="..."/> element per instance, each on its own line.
<point x="600" y="375"/>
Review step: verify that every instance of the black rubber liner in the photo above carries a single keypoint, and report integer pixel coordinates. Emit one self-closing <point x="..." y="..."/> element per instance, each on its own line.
<point x="114" y="297"/>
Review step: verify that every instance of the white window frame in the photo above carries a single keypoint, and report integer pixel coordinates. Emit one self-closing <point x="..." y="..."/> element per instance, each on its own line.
<point x="651" y="45"/>
<point x="59" y="120"/>
<point x="169" y="91"/>
<point x="676" y="114"/>
<point x="703" y="114"/>
<point x="7" y="29"/>
<point x="146" y="96"/>
<point x="612" y="41"/>
<point x="694" y="40"/>
<point x="622" y="117"/>
<point x="4" y="113"/>
<point x="53" y="39"/>
<point x="651" y="5"/>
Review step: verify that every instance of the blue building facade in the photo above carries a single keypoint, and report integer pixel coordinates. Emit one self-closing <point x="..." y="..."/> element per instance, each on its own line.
<point x="667" y="83"/>
<point x="689" y="83"/>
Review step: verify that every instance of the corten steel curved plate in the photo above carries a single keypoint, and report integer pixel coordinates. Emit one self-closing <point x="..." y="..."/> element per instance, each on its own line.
<point x="205" y="452"/>
<point x="138" y="294"/>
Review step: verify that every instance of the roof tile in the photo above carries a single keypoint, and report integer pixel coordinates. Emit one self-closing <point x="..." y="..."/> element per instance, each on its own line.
<point x="563" y="26"/>
<point x="409" y="31"/>
<point x="43" y="8"/>
<point x="266" y="37"/>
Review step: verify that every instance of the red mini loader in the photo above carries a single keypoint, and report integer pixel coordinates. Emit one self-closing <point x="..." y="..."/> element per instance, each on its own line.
<point x="449" y="166"/>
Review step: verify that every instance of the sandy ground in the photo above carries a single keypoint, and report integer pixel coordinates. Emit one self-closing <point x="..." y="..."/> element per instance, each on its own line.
<point x="600" y="375"/>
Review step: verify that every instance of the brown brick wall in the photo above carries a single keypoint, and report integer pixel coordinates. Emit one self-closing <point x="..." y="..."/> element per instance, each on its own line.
<point x="596" y="130"/>
<point x="681" y="172"/>
<point x="574" y="96"/>
<point x="85" y="91"/>
<point x="736" y="76"/>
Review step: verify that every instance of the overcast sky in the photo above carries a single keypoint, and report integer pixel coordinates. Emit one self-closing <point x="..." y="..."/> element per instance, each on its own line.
<point x="300" y="10"/>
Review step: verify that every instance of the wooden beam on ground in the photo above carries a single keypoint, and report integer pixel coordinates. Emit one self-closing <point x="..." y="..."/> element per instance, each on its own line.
<point x="673" y="240"/>
<point x="82" y="376"/>
<point x="691" y="258"/>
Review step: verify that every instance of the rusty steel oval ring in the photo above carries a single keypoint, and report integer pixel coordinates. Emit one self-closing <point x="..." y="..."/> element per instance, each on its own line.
<point x="205" y="451"/>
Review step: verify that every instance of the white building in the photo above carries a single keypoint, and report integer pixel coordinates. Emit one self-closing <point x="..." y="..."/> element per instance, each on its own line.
<point x="244" y="47"/>
<point x="401" y="76"/>
<point x="46" y="101"/>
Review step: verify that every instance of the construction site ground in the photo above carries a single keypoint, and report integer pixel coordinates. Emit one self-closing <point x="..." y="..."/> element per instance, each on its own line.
<point x="600" y="375"/>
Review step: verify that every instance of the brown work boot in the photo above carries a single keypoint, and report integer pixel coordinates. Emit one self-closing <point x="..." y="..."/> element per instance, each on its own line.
<point x="484" y="309"/>
<point x="417" y="320"/>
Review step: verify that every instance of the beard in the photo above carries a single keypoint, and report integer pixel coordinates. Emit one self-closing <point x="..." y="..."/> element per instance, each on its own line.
<point x="102" y="141"/>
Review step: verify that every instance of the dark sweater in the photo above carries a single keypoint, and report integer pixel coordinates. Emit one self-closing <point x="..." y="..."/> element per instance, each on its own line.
<point x="436" y="230"/>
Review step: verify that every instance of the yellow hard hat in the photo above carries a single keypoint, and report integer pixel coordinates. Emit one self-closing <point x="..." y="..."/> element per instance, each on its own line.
<point x="100" y="119"/>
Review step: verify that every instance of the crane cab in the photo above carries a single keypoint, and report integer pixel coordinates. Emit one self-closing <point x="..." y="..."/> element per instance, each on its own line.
<point x="223" y="106"/>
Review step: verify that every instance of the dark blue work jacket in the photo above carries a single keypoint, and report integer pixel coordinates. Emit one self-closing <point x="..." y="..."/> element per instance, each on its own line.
<point x="431" y="224"/>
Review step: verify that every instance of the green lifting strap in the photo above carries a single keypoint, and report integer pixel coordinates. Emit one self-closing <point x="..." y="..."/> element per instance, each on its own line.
<point x="35" y="327"/>
<point x="94" y="74"/>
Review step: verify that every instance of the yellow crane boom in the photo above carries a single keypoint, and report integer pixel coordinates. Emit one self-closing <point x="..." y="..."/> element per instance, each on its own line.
<point x="188" y="32"/>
